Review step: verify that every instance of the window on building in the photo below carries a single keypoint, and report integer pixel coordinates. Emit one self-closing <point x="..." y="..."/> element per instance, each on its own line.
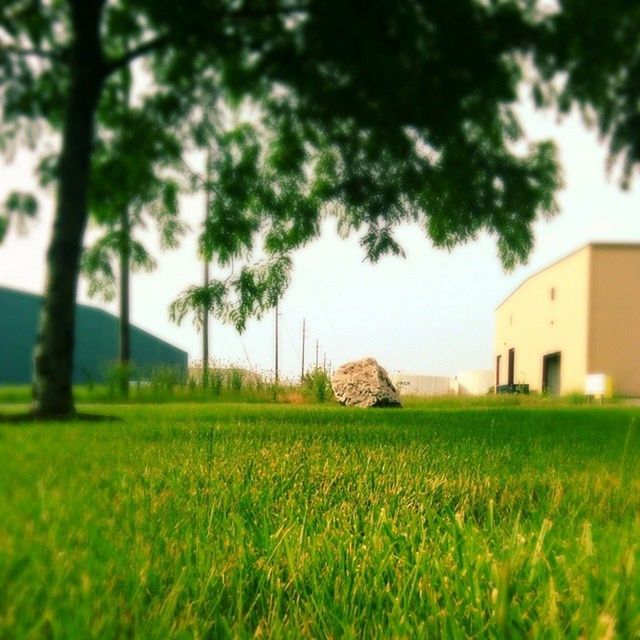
<point x="552" y="293"/>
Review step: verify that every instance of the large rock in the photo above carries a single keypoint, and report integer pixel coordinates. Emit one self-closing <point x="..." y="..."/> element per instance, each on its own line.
<point x="364" y="383"/>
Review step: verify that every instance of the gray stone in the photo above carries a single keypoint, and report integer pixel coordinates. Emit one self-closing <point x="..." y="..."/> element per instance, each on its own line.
<point x="364" y="383"/>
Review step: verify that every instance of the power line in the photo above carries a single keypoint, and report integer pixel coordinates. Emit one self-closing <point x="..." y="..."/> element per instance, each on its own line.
<point x="289" y="332"/>
<point x="246" y="353"/>
<point x="322" y="307"/>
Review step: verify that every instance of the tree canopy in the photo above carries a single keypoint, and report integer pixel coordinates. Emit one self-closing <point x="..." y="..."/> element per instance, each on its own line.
<point x="379" y="113"/>
<point x="123" y="185"/>
<point x="589" y="58"/>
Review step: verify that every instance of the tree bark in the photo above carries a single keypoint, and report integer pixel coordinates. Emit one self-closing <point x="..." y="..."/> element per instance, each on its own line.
<point x="53" y="356"/>
<point x="125" y="330"/>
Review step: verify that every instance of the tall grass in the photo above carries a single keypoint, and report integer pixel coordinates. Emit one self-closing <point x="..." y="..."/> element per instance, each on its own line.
<point x="231" y="520"/>
<point x="316" y="386"/>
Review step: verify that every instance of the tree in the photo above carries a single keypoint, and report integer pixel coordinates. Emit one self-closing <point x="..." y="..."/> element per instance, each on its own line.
<point x="243" y="195"/>
<point x="207" y="277"/>
<point x="207" y="124"/>
<point x="589" y="57"/>
<point x="125" y="195"/>
<point x="208" y="129"/>
<point x="384" y="112"/>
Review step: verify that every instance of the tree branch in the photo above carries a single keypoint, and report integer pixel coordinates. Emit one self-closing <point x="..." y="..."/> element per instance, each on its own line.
<point x="141" y="50"/>
<point x="154" y="44"/>
<point x="55" y="55"/>
<point x="192" y="172"/>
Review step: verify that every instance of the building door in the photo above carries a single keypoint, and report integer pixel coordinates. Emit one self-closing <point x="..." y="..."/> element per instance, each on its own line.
<point x="512" y="358"/>
<point x="551" y="374"/>
<point x="498" y="360"/>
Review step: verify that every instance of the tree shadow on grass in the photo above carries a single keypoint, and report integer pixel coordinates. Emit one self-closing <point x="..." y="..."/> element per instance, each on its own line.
<point x="32" y="418"/>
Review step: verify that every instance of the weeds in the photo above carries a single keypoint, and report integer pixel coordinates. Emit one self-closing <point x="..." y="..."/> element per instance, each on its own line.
<point x="317" y="386"/>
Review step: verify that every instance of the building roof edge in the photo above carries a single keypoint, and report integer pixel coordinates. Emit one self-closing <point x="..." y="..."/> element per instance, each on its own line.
<point x="588" y="245"/>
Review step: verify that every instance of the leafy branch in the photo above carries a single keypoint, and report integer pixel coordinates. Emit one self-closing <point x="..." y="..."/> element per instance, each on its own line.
<point x="19" y="207"/>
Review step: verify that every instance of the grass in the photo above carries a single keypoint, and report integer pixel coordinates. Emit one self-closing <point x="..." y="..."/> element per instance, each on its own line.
<point x="233" y="520"/>
<point x="108" y="394"/>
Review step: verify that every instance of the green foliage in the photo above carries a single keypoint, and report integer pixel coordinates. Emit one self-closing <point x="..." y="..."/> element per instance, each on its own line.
<point x="589" y="57"/>
<point x="157" y="383"/>
<point x="229" y="382"/>
<point x="248" y="293"/>
<point x="236" y="380"/>
<point x="317" y="386"/>
<point x="134" y="182"/>
<point x="98" y="260"/>
<point x="240" y="521"/>
<point x="134" y="166"/>
<point x="18" y="208"/>
<point x="195" y="299"/>
<point x="118" y="377"/>
<point x="164" y="379"/>
<point x="216" y="381"/>
<point x="381" y="113"/>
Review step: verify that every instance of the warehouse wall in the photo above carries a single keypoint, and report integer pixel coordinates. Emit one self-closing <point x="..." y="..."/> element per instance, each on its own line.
<point x="473" y="383"/>
<point x="96" y="341"/>
<point x="421" y="385"/>
<point x="614" y="332"/>
<point x="548" y="313"/>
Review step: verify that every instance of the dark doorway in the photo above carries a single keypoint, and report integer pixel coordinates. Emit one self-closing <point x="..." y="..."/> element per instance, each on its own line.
<point x="551" y="374"/>
<point x="498" y="361"/>
<point x="512" y="359"/>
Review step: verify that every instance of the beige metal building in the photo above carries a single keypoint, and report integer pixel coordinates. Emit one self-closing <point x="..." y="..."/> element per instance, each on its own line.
<point x="465" y="383"/>
<point x="579" y="316"/>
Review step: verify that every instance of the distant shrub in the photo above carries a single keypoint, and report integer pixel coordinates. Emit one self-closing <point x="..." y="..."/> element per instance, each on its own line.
<point x="236" y="379"/>
<point x="576" y="398"/>
<point x="317" y="386"/>
<point x="192" y="385"/>
<point x="164" y="379"/>
<point x="117" y="377"/>
<point x="216" y="381"/>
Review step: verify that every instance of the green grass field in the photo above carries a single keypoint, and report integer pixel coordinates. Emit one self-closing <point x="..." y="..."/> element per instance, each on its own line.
<point x="208" y="521"/>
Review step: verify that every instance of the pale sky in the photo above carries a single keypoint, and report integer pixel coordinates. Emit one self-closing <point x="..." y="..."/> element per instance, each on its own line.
<point x="431" y="313"/>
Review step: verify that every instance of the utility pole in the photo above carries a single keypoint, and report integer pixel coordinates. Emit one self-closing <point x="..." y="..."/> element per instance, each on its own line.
<point x="205" y="310"/>
<point x="276" y="363"/>
<point x="205" y="335"/>
<point x="124" y="326"/>
<point x="324" y="362"/>
<point x="317" y="346"/>
<point x="304" y="332"/>
<point x="125" y="273"/>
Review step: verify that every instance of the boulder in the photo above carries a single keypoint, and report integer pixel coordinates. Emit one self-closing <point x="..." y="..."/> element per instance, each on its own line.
<point x="364" y="383"/>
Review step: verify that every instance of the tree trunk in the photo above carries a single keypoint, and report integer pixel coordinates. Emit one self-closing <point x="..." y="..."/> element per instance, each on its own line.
<point x="125" y="330"/>
<point x="205" y="311"/>
<point x="53" y="357"/>
<point x="205" y="335"/>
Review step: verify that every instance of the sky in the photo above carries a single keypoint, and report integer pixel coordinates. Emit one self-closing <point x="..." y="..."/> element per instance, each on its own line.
<point x="431" y="313"/>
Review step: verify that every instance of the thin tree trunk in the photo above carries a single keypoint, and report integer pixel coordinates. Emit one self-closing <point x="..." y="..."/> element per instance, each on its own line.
<point x="205" y="311"/>
<point x="205" y="336"/>
<point x="53" y="357"/>
<point x="125" y="329"/>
